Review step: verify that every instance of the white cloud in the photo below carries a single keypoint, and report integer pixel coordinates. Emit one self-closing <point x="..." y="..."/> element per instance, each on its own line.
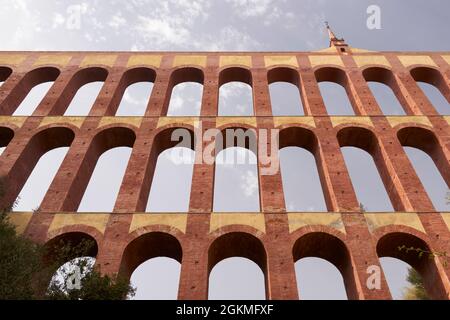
<point x="58" y="19"/>
<point x="162" y="32"/>
<point x="249" y="183"/>
<point x="117" y="21"/>
<point x="251" y="8"/>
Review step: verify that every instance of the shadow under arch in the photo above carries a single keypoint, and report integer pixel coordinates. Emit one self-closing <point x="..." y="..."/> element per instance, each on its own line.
<point x="232" y="74"/>
<point x="235" y="136"/>
<point x="283" y="74"/>
<point x="5" y="72"/>
<point x="330" y="248"/>
<point x="29" y="80"/>
<point x="433" y="77"/>
<point x="6" y="135"/>
<point x="238" y="244"/>
<point x="426" y="140"/>
<point x="147" y="246"/>
<point x="389" y="246"/>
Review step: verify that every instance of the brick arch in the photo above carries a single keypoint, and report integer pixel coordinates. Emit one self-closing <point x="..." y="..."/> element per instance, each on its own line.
<point x="385" y="76"/>
<point x="388" y="246"/>
<point x="365" y="139"/>
<point x="102" y="141"/>
<point x="250" y="141"/>
<point x="77" y="80"/>
<point x="231" y="74"/>
<point x="130" y="77"/>
<point x="180" y="75"/>
<point x="283" y="74"/>
<point x="425" y="140"/>
<point x="5" y="72"/>
<point x="41" y="142"/>
<point x="328" y="247"/>
<point x="161" y="142"/>
<point x="296" y="136"/>
<point x="147" y="246"/>
<point x="339" y="76"/>
<point x="238" y="244"/>
<point x="73" y="237"/>
<point x="6" y="135"/>
<point x="431" y="76"/>
<point x="26" y="83"/>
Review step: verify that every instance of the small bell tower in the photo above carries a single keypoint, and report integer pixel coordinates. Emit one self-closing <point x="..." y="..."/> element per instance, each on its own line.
<point x="338" y="43"/>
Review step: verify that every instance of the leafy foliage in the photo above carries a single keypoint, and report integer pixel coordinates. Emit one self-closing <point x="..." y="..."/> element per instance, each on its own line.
<point x="416" y="290"/>
<point x="26" y="268"/>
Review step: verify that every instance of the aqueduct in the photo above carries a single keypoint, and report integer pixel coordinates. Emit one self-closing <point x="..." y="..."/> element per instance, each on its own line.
<point x="273" y="238"/>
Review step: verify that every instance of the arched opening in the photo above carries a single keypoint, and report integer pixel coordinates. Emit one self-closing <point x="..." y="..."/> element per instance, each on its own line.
<point x="434" y="86"/>
<point x="284" y="84"/>
<point x="34" y="190"/>
<point x="32" y="89"/>
<point x="385" y="89"/>
<point x="83" y="90"/>
<point x="236" y="262"/>
<point x="103" y="187"/>
<point x="408" y="248"/>
<point x="173" y="164"/>
<point x="108" y="157"/>
<point x="333" y="85"/>
<point x="428" y="160"/>
<point x="235" y="92"/>
<point x="236" y="186"/>
<point x="365" y="166"/>
<point x="135" y="89"/>
<point x="186" y="88"/>
<point x="176" y="162"/>
<point x="300" y="174"/>
<point x="66" y="252"/>
<point x="34" y="187"/>
<point x="6" y="135"/>
<point x="311" y="271"/>
<point x="152" y="262"/>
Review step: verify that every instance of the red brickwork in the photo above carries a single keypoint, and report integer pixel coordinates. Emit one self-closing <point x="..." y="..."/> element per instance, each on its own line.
<point x="352" y="250"/>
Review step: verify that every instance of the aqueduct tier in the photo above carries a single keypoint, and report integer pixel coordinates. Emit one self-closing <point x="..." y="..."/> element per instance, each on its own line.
<point x="273" y="238"/>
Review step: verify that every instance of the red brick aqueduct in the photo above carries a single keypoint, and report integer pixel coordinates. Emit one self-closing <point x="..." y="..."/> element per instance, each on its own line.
<point x="274" y="239"/>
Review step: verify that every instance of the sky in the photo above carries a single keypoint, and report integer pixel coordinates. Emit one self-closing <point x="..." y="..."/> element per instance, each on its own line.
<point x="230" y="25"/>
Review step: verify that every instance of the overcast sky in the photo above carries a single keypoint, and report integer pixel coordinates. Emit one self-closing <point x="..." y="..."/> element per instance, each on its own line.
<point x="243" y="25"/>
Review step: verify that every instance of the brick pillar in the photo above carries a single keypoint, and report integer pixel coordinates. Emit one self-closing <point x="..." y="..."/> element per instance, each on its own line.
<point x="271" y="185"/>
<point x="111" y="249"/>
<point x="136" y="183"/>
<point x="194" y="267"/>
<point x="282" y="282"/>
<point x="339" y="192"/>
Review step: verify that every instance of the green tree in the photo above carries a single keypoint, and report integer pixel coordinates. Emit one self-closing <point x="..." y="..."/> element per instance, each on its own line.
<point x="416" y="289"/>
<point x="26" y="268"/>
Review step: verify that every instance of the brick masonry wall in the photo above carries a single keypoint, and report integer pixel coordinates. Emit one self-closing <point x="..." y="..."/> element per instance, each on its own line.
<point x="198" y="239"/>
